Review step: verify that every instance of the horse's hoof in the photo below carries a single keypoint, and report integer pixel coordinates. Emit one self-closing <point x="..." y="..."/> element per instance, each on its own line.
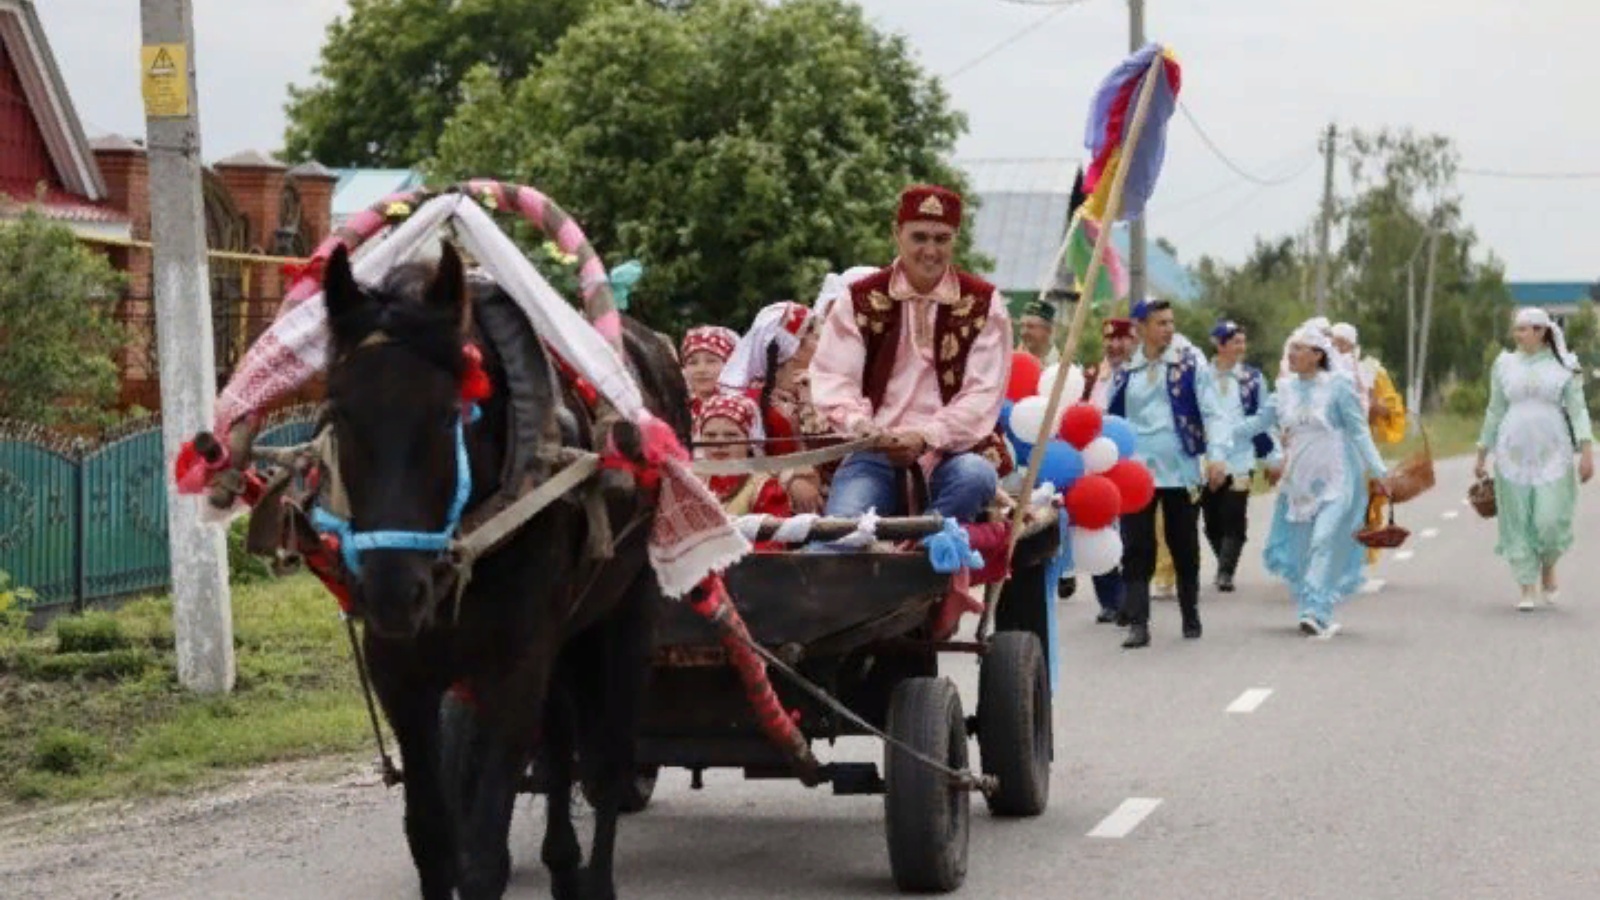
<point x="567" y="885"/>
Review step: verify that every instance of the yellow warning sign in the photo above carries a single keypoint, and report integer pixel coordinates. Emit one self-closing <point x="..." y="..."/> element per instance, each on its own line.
<point x="164" y="80"/>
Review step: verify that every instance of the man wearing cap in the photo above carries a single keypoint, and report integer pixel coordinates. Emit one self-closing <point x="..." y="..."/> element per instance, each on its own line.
<point x="917" y="357"/>
<point x="1036" y="329"/>
<point x="1168" y="395"/>
<point x="1241" y="390"/>
<point x="1117" y="342"/>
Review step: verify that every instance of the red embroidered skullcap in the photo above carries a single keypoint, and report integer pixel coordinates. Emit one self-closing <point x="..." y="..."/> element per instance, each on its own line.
<point x="713" y="339"/>
<point x="1117" y="328"/>
<point x="736" y="408"/>
<point x="929" y="203"/>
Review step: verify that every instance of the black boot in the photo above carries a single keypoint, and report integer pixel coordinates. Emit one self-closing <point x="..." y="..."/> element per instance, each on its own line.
<point x="1191" y="620"/>
<point x="1228" y="552"/>
<point x="1138" y="636"/>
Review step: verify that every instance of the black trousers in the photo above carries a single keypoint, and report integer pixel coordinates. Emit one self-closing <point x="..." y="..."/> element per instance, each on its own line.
<point x="1226" y="515"/>
<point x="1181" y="527"/>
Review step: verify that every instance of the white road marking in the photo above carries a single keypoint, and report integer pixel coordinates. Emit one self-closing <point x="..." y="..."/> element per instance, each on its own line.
<point x="1430" y="533"/>
<point x="1373" y="585"/>
<point x="1451" y="513"/>
<point x="1403" y="555"/>
<point x="1250" y="700"/>
<point x="1125" y="818"/>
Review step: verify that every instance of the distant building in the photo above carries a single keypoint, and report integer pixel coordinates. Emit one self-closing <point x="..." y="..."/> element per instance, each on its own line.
<point x="1021" y="219"/>
<point x="1559" y="298"/>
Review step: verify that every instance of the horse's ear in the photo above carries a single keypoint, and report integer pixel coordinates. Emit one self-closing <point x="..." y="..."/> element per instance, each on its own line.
<point x="340" y="293"/>
<point x="449" y="289"/>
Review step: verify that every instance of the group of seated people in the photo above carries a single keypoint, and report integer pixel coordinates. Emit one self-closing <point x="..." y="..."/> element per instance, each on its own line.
<point x="911" y="359"/>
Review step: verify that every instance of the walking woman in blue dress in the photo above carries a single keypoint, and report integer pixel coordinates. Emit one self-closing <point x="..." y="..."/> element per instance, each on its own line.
<point x="1322" y="494"/>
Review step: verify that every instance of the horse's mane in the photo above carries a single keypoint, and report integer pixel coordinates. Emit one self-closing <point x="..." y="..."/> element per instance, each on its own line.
<point x="400" y="309"/>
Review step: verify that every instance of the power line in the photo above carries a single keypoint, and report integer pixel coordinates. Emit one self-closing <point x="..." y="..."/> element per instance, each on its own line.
<point x="1529" y="176"/>
<point x="1306" y="162"/>
<point x="1056" y="9"/>
<point x="1217" y="152"/>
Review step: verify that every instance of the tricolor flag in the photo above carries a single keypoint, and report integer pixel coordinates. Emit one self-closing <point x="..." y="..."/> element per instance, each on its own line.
<point x="1112" y="282"/>
<point x="1111" y="116"/>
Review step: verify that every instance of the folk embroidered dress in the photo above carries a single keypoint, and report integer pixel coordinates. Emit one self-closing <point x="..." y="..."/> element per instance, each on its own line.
<point x="1532" y="398"/>
<point x="1322" y="499"/>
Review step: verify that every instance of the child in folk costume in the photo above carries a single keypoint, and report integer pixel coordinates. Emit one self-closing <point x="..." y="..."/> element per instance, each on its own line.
<point x="766" y="366"/>
<point x="725" y="423"/>
<point x="1536" y="421"/>
<point x="1322" y="492"/>
<point x="705" y="351"/>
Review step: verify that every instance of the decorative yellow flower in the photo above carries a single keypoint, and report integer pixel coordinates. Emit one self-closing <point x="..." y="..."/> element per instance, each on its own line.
<point x="399" y="209"/>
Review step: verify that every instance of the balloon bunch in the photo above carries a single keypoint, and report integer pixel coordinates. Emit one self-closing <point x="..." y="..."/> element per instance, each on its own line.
<point x="1089" y="461"/>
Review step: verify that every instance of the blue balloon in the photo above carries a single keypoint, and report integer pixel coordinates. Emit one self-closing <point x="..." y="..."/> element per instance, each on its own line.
<point x="1121" y="433"/>
<point x="1005" y="416"/>
<point x="1062" y="465"/>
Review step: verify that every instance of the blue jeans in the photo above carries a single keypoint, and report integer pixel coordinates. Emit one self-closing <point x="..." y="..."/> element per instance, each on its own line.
<point x="961" y="487"/>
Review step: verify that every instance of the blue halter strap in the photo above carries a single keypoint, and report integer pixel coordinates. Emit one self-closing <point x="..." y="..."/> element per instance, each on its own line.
<point x="352" y="542"/>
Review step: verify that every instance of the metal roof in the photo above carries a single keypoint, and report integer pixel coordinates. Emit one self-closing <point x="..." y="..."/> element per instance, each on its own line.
<point x="358" y="189"/>
<point x="1021" y="217"/>
<point x="1549" y="293"/>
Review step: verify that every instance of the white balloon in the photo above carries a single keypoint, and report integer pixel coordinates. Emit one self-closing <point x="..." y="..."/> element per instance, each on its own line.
<point x="1026" y="417"/>
<point x="1099" y="455"/>
<point x="1096" y="552"/>
<point x="1072" y="393"/>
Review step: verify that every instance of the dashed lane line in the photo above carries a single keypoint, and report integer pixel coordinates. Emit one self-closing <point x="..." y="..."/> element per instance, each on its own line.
<point x="1125" y="818"/>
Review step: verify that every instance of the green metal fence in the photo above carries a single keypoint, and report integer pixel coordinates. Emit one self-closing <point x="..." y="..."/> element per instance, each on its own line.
<point x="85" y="520"/>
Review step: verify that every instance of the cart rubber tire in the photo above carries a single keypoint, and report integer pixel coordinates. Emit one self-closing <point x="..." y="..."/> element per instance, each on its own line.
<point x="928" y="820"/>
<point x="1015" y="727"/>
<point x="636" y="796"/>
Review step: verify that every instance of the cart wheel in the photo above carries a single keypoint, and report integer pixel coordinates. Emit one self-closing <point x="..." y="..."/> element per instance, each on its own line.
<point x="928" y="819"/>
<point x="1015" y="734"/>
<point x="636" y="794"/>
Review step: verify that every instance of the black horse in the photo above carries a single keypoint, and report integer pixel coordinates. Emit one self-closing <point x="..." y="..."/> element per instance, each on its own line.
<point x="549" y="646"/>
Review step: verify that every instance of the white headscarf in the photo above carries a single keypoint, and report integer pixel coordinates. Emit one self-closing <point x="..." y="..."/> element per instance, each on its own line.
<point x="837" y="286"/>
<point x="1344" y="331"/>
<point x="779" y="323"/>
<point x="1536" y="316"/>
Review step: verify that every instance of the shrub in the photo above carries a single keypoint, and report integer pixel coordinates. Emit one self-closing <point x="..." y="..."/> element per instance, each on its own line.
<point x="66" y="752"/>
<point x="242" y="567"/>
<point x="1468" y="399"/>
<point x="94" y="632"/>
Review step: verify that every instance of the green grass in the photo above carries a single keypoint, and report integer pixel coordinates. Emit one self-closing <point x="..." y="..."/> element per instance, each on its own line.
<point x="93" y="709"/>
<point x="1450" y="434"/>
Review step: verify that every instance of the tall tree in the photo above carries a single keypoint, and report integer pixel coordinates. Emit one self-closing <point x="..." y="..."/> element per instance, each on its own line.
<point x="738" y="149"/>
<point x="391" y="72"/>
<point x="56" y="299"/>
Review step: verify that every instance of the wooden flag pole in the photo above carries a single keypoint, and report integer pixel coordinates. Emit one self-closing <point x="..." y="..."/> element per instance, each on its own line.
<point x="1068" y="348"/>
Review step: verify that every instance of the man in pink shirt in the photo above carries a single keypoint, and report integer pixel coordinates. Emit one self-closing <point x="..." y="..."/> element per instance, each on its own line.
<point x="917" y="357"/>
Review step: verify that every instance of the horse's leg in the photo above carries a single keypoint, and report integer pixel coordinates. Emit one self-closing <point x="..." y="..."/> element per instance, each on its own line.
<point x="413" y="712"/>
<point x="618" y="675"/>
<point x="485" y="785"/>
<point x="561" y="853"/>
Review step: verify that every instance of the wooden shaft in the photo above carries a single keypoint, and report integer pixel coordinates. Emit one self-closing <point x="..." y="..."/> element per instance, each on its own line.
<point x="1080" y="314"/>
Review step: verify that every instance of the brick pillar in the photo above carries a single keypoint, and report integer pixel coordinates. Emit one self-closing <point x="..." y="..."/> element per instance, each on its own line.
<point x="126" y="171"/>
<point x="315" y="182"/>
<point x="256" y="182"/>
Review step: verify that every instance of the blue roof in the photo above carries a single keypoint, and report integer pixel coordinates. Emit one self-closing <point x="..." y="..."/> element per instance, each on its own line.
<point x="1548" y="293"/>
<point x="358" y="189"/>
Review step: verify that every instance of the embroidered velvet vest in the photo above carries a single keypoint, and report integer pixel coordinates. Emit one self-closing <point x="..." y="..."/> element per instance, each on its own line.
<point x="955" y="329"/>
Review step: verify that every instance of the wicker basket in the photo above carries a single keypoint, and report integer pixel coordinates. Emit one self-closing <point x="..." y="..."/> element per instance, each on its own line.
<point x="1413" y="476"/>
<point x="1481" y="496"/>
<point x="1388" y="537"/>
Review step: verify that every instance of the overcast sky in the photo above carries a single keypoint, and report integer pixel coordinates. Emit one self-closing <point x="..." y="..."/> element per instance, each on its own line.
<point x="1511" y="82"/>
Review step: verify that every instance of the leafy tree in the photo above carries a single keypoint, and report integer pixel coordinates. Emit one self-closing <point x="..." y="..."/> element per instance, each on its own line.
<point x="391" y="72"/>
<point x="56" y="299"/>
<point x="740" y="150"/>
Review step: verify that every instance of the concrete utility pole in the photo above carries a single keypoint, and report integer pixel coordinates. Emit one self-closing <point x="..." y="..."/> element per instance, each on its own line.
<point x="1427" y="323"/>
<point x="1325" y="221"/>
<point x="1136" y="230"/>
<point x="202" y="614"/>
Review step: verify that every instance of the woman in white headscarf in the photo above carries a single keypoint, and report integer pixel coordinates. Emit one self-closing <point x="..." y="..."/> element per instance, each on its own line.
<point x="1322" y="494"/>
<point x="1536" y="423"/>
<point x="768" y="365"/>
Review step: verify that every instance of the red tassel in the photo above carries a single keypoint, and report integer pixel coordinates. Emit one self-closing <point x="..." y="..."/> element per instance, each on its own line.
<point x="475" y="383"/>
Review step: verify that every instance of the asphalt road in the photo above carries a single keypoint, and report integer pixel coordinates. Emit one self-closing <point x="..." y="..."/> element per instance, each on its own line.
<point x="1441" y="746"/>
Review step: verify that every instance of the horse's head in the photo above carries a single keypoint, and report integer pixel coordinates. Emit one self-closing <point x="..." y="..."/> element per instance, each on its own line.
<point x="394" y="394"/>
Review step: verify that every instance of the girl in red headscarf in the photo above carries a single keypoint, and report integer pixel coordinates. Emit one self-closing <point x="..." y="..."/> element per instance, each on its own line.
<point x="705" y="350"/>
<point x="724" y="425"/>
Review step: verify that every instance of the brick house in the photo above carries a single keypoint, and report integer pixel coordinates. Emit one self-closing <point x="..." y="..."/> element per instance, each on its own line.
<point x="254" y="205"/>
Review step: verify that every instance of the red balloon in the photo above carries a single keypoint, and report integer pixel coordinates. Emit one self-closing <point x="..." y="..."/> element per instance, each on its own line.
<point x="1134" y="483"/>
<point x="1025" y="370"/>
<point x="1080" y="425"/>
<point x="1093" y="502"/>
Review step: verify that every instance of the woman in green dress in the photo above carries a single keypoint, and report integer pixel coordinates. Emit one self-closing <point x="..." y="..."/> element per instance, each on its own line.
<point x="1536" y="423"/>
